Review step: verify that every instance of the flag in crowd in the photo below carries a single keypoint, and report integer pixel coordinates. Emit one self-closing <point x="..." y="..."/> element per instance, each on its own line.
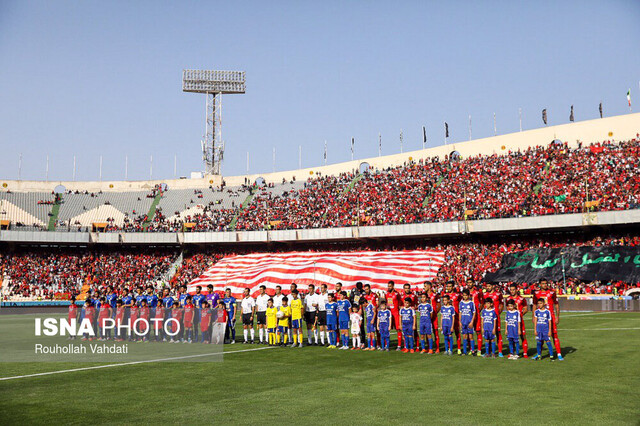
<point x="629" y="97"/>
<point x="304" y="268"/>
<point x="571" y="118"/>
<point x="544" y="116"/>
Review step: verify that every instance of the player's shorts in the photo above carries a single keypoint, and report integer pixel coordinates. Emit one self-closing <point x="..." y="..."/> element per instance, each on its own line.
<point x="447" y="329"/>
<point x="343" y="324"/>
<point x="310" y="318"/>
<point x="488" y="335"/>
<point x="246" y="319"/>
<point x="407" y="331"/>
<point x="282" y="329"/>
<point x="296" y="323"/>
<point x="395" y="322"/>
<point x="467" y="328"/>
<point x="322" y="318"/>
<point x="332" y="326"/>
<point x="513" y="338"/>
<point x="384" y="332"/>
<point x="371" y="327"/>
<point x="188" y="324"/>
<point x="426" y="328"/>
<point x="271" y="330"/>
<point x="261" y="318"/>
<point x="543" y="336"/>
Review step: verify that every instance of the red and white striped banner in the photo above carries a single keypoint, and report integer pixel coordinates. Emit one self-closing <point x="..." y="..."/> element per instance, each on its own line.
<point x="272" y="269"/>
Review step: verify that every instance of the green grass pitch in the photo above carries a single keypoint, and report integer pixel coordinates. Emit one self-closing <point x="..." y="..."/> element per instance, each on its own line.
<point x="598" y="383"/>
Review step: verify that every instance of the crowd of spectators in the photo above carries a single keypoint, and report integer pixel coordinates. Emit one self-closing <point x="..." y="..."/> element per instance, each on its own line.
<point x="59" y="274"/>
<point x="52" y="274"/>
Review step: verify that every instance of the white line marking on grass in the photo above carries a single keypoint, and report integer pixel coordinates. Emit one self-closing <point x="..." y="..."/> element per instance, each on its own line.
<point x="95" y="367"/>
<point x="568" y="315"/>
<point x="597" y="329"/>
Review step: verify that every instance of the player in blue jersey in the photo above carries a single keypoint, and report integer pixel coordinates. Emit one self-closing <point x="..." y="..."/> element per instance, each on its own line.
<point x="197" y="300"/>
<point x="332" y="320"/>
<point x="230" y="306"/>
<point x="408" y="319"/>
<point x="447" y="318"/>
<point x="140" y="296"/>
<point x="425" y="309"/>
<point x="542" y="323"/>
<point x="370" y="320"/>
<point x="467" y="310"/>
<point x="152" y="301"/>
<point x="489" y="325"/>
<point x="513" y="325"/>
<point x="182" y="295"/>
<point x="112" y="298"/>
<point x="344" y="310"/>
<point x="384" y="325"/>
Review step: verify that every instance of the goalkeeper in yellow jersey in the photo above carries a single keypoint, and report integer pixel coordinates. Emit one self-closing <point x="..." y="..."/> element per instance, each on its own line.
<point x="272" y="322"/>
<point x="297" y="309"/>
<point x="284" y="314"/>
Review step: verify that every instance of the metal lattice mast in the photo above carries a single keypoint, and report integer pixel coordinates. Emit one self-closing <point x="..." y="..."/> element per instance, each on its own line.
<point x="213" y="84"/>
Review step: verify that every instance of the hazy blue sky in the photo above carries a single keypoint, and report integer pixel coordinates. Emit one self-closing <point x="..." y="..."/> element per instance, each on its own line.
<point x="88" y="78"/>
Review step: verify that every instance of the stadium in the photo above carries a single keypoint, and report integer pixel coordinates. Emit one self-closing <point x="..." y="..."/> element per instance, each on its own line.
<point x="494" y="279"/>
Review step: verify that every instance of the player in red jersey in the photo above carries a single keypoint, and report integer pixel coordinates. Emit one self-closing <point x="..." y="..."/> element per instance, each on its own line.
<point x="73" y="313"/>
<point x="176" y="324"/>
<point x="455" y="297"/>
<point x="189" y="311"/>
<point x="434" y="298"/>
<point x="120" y="311"/>
<point x="521" y="305"/>
<point x="549" y="296"/>
<point x="478" y="300"/>
<point x="494" y="293"/>
<point x="394" y="301"/>
<point x="144" y="326"/>
<point x="104" y="314"/>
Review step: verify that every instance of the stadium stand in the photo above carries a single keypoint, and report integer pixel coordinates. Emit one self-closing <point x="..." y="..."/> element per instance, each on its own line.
<point x="29" y="209"/>
<point x="58" y="274"/>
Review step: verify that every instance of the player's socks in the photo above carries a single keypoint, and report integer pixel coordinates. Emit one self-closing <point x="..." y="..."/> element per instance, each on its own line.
<point x="261" y="334"/>
<point x="315" y="336"/>
<point x="539" y="348"/>
<point x="421" y="344"/>
<point x="500" y="342"/>
<point x="473" y="345"/>
<point x="550" y="346"/>
<point x="300" y="338"/>
<point x="480" y="340"/>
<point x="246" y="335"/>
<point x="253" y="334"/>
<point x="458" y="339"/>
<point x="510" y="347"/>
<point x="486" y="347"/>
<point x="525" y="347"/>
<point x="493" y="347"/>
<point x="556" y="341"/>
<point x="517" y="345"/>
<point x="464" y="346"/>
<point x="437" y="339"/>
<point x="430" y="344"/>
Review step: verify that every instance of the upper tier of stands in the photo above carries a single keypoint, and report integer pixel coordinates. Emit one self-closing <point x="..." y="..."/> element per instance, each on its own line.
<point x="542" y="180"/>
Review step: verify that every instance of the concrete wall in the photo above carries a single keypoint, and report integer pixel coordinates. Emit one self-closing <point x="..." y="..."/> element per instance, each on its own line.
<point x="618" y="128"/>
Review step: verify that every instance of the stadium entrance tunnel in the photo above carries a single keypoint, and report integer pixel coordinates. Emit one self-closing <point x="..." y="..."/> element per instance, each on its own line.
<point x="364" y="168"/>
<point x="455" y="156"/>
<point x="60" y="189"/>
<point x="261" y="182"/>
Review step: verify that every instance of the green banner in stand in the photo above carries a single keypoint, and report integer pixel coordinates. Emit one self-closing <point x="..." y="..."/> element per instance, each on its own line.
<point x="584" y="263"/>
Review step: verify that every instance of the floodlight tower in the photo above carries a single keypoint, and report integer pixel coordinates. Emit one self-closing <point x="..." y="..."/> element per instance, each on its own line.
<point x="213" y="84"/>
